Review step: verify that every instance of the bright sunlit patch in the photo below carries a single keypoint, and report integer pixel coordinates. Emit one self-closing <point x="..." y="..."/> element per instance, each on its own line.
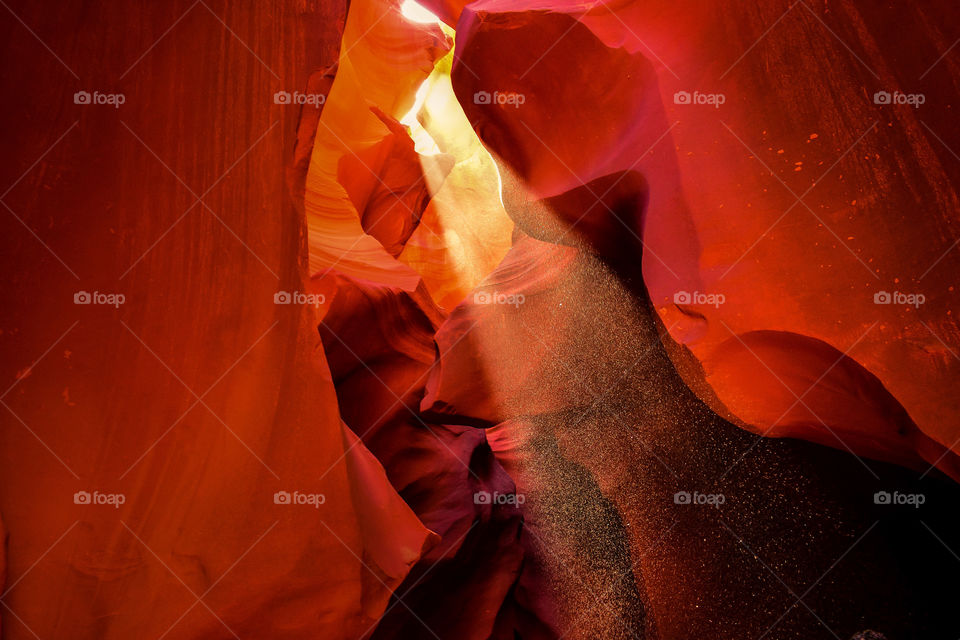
<point x="415" y="12"/>
<point x="499" y="179"/>
<point x="424" y="143"/>
<point x="411" y="116"/>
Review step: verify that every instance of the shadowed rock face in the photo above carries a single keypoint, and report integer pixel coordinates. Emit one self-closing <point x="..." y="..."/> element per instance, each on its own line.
<point x="639" y="438"/>
<point x="392" y="209"/>
<point x="379" y="342"/>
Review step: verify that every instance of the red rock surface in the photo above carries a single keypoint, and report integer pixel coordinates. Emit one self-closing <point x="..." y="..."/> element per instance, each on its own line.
<point x="517" y="221"/>
<point x="713" y="223"/>
<point x="380" y="345"/>
<point x="878" y="213"/>
<point x="198" y="398"/>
